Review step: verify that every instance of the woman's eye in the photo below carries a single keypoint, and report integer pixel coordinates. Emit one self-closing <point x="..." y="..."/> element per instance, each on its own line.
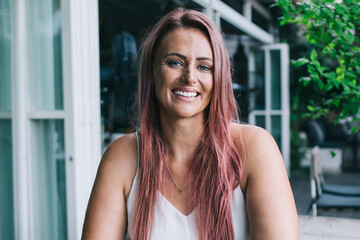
<point x="204" y="68"/>
<point x="174" y="63"/>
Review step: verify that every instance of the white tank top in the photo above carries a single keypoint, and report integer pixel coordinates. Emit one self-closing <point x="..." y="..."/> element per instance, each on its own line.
<point x="170" y="223"/>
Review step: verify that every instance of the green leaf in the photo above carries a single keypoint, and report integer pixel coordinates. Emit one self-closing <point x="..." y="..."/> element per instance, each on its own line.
<point x="316" y="11"/>
<point x="351" y="107"/>
<point x="355" y="129"/>
<point x="313" y="55"/>
<point x="317" y="65"/>
<point x="350" y="74"/>
<point x="282" y="2"/>
<point x="327" y="37"/>
<point x="328" y="12"/>
<point x="310" y="108"/>
<point x="339" y="71"/>
<point x="357" y="69"/>
<point x="333" y="154"/>
<point x="305" y="80"/>
<point x="328" y="87"/>
<point x="338" y="28"/>
<point x="336" y="102"/>
<point x="336" y="83"/>
<point x="300" y="62"/>
<point x="349" y="37"/>
<point x="352" y="26"/>
<point x="318" y="81"/>
<point x="274" y="5"/>
<point x="345" y="85"/>
<point x="330" y="75"/>
<point x="356" y="9"/>
<point x="341" y="9"/>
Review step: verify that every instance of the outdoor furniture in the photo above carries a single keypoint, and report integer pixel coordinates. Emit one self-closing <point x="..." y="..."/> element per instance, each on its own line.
<point x="329" y="196"/>
<point x="323" y="133"/>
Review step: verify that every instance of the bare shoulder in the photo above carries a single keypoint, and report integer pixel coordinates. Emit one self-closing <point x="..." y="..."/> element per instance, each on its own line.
<point x="120" y="160"/>
<point x="257" y="148"/>
<point x="249" y="133"/>
<point x="106" y="213"/>
<point x="252" y="140"/>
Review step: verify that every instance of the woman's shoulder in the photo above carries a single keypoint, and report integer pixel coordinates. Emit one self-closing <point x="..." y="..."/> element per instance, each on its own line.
<point x="247" y="135"/>
<point x="253" y="141"/>
<point x="125" y="145"/>
<point x="106" y="212"/>
<point x="257" y="148"/>
<point x="120" y="161"/>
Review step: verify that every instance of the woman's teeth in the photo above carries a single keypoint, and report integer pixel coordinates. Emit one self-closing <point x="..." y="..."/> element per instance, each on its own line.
<point x="185" y="94"/>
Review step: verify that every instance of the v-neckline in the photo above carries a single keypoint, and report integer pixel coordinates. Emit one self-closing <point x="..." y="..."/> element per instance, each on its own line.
<point x="176" y="210"/>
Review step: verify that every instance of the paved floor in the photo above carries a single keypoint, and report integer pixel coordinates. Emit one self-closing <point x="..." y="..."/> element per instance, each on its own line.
<point x="328" y="228"/>
<point x="301" y="189"/>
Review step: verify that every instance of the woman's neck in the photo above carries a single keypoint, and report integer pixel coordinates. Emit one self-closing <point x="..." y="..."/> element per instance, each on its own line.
<point x="183" y="136"/>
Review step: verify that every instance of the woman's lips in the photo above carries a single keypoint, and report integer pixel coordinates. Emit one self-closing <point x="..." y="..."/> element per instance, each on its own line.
<point x="185" y="93"/>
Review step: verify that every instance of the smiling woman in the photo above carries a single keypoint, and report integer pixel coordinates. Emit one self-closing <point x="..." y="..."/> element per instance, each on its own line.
<point x="185" y="173"/>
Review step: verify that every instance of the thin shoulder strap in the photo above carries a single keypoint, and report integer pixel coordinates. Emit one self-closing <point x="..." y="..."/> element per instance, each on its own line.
<point x="138" y="148"/>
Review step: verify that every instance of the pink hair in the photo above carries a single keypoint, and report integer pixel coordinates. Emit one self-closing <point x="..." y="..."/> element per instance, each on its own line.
<point x="216" y="168"/>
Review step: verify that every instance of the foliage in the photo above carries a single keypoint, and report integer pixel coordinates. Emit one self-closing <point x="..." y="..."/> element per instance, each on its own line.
<point x="333" y="31"/>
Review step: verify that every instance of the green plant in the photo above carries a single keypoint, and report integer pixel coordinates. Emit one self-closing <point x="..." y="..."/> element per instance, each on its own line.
<point x="333" y="31"/>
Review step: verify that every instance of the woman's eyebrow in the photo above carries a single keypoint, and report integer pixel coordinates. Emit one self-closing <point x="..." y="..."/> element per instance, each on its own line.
<point x="175" y="54"/>
<point x="204" y="58"/>
<point x="183" y="57"/>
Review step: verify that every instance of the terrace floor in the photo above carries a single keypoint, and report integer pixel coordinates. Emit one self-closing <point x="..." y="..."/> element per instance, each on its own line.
<point x="331" y="224"/>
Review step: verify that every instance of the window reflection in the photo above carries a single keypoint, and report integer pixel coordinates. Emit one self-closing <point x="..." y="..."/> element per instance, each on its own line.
<point x="48" y="179"/>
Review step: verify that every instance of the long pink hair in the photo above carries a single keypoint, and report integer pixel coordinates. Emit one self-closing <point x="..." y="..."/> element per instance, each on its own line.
<point x="216" y="167"/>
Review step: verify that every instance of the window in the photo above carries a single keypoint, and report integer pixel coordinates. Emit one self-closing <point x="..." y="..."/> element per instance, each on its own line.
<point x="6" y="166"/>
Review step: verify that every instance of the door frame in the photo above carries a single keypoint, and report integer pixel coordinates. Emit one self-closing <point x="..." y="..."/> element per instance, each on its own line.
<point x="284" y="111"/>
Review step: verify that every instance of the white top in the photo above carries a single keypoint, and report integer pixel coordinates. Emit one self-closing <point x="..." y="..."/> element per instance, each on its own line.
<point x="170" y="223"/>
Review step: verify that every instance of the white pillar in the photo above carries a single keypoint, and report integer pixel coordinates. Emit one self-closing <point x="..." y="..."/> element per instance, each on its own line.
<point x="19" y="119"/>
<point x="80" y="38"/>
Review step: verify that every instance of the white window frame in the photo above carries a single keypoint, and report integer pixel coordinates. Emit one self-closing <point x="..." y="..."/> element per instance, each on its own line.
<point x="81" y="113"/>
<point x="217" y="9"/>
<point x="284" y="112"/>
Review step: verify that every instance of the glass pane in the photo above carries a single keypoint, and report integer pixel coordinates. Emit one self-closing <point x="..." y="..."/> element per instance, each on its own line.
<point x="48" y="179"/>
<point x="275" y="79"/>
<point x="44" y="45"/>
<point x="276" y="129"/>
<point x="6" y="182"/>
<point x="259" y="79"/>
<point x="260" y="121"/>
<point x="5" y="48"/>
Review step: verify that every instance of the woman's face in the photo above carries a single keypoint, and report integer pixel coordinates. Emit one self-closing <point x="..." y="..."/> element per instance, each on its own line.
<point x="183" y="73"/>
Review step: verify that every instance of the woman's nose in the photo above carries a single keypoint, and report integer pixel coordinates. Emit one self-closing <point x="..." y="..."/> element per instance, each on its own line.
<point x="189" y="75"/>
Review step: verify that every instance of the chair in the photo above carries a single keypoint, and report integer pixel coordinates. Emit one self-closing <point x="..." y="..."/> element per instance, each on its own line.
<point x="327" y="196"/>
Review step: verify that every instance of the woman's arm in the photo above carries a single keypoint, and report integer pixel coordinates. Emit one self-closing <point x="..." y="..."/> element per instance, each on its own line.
<point x="269" y="198"/>
<point x="106" y="216"/>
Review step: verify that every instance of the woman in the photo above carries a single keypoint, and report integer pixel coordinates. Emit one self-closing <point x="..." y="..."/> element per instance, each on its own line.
<point x="186" y="173"/>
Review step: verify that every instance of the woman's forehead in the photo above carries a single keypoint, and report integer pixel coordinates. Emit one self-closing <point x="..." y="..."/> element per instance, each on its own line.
<point x="185" y="40"/>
